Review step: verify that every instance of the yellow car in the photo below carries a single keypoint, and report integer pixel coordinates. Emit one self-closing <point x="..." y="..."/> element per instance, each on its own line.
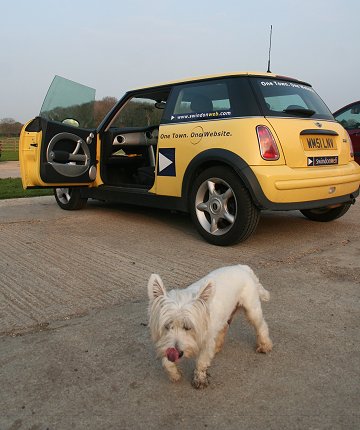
<point x="222" y="148"/>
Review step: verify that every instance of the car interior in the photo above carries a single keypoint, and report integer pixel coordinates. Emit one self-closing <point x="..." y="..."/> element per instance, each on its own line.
<point x="129" y="156"/>
<point x="129" y="143"/>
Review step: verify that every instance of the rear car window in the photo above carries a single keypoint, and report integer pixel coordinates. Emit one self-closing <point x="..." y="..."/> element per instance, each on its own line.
<point x="287" y="98"/>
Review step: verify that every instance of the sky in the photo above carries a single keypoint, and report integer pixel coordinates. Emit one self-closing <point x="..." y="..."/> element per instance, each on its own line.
<point x="115" y="45"/>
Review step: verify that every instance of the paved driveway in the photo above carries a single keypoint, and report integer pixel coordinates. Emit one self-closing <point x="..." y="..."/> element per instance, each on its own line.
<point x="75" y="351"/>
<point x="9" y="169"/>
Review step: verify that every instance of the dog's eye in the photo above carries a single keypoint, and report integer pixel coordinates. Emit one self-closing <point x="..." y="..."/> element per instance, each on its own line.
<point x="168" y="326"/>
<point x="186" y="327"/>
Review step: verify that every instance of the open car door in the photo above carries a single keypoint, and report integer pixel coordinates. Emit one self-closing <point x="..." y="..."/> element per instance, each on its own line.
<point x="59" y="146"/>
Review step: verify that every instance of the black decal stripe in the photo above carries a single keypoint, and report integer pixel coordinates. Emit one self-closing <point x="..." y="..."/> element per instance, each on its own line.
<point x="319" y="132"/>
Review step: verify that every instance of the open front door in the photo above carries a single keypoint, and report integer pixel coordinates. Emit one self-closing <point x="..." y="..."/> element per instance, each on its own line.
<point x="59" y="146"/>
<point x="53" y="153"/>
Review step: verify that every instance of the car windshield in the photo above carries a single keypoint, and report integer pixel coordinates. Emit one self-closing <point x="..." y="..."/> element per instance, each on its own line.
<point x="69" y="101"/>
<point x="350" y="118"/>
<point x="286" y="98"/>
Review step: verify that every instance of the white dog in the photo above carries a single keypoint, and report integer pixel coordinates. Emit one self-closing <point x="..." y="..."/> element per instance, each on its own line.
<point x="193" y="322"/>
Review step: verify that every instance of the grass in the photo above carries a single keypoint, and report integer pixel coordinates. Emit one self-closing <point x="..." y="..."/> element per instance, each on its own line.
<point x="11" y="188"/>
<point x="10" y="148"/>
<point x="9" y="156"/>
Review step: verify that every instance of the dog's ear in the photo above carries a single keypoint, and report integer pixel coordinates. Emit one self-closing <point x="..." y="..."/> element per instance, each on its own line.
<point x="155" y="287"/>
<point x="206" y="291"/>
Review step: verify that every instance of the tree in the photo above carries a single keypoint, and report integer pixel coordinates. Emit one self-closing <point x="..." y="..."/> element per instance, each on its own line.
<point x="102" y="107"/>
<point x="10" y="127"/>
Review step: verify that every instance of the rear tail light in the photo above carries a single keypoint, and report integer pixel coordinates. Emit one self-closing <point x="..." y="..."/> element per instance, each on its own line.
<point x="351" y="145"/>
<point x="267" y="144"/>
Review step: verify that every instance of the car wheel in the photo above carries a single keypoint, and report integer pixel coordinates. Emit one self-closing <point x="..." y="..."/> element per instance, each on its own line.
<point x="69" y="198"/>
<point x="221" y="207"/>
<point x="326" y="214"/>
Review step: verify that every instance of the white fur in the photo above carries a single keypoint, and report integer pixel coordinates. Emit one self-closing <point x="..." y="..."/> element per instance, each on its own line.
<point x="194" y="320"/>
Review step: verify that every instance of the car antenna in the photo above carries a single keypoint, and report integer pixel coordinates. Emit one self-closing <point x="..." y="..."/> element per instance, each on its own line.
<point x="268" y="70"/>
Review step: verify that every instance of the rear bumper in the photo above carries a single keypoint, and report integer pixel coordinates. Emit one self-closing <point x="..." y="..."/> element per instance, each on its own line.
<point x="334" y="201"/>
<point x="283" y="188"/>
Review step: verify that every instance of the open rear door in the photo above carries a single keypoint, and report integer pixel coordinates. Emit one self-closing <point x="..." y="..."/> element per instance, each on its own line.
<point x="59" y="146"/>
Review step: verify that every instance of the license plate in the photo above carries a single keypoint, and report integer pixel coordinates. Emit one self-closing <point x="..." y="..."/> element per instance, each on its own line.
<point x="314" y="143"/>
<point x="322" y="161"/>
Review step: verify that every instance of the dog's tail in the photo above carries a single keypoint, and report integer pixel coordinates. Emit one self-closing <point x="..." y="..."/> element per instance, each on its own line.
<point x="263" y="294"/>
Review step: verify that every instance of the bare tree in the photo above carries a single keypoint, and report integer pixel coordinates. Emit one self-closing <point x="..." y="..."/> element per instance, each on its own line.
<point x="10" y="127"/>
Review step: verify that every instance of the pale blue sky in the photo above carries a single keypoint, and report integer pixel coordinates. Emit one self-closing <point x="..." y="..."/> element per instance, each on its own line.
<point x="113" y="45"/>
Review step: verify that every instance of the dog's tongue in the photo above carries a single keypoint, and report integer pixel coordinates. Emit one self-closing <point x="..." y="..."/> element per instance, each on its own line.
<point x="172" y="354"/>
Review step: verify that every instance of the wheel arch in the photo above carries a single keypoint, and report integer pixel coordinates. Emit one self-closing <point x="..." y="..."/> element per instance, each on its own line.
<point x="220" y="157"/>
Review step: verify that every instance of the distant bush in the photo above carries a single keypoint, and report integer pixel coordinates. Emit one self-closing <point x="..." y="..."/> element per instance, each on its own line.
<point x="9" y="127"/>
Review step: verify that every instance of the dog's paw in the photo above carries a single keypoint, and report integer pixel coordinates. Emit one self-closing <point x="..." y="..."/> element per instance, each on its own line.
<point x="172" y="370"/>
<point x="175" y="377"/>
<point x="264" y="347"/>
<point x="174" y="374"/>
<point x="200" y="384"/>
<point x="200" y="380"/>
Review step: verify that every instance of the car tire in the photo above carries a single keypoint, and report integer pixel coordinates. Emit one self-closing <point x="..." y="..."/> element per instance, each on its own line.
<point x="326" y="214"/>
<point x="69" y="198"/>
<point x="221" y="207"/>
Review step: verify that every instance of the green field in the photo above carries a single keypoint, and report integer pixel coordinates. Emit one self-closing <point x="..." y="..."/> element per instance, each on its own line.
<point x="11" y="188"/>
<point x="9" y="156"/>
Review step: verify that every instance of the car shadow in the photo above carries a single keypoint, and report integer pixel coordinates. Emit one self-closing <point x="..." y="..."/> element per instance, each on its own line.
<point x="270" y="224"/>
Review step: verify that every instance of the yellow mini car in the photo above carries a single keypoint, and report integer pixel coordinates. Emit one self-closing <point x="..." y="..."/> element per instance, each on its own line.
<point x="222" y="148"/>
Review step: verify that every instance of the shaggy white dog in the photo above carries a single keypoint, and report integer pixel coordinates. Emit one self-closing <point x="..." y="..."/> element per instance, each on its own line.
<point x="193" y="322"/>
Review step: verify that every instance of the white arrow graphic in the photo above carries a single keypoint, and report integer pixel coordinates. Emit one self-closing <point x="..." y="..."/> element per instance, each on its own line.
<point x="310" y="161"/>
<point x="164" y="162"/>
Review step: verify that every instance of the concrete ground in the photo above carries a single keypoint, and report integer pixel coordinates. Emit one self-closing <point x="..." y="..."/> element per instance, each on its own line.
<point x="75" y="352"/>
<point x="9" y="169"/>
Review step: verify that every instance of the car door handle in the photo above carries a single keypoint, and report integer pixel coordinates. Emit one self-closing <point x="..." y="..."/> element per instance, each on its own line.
<point x="64" y="157"/>
<point x="35" y="145"/>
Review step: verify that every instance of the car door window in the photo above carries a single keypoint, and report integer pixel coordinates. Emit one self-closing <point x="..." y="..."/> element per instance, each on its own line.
<point x="69" y="101"/>
<point x="350" y="118"/>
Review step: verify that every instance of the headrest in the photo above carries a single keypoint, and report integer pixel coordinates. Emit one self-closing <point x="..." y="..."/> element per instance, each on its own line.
<point x="201" y="103"/>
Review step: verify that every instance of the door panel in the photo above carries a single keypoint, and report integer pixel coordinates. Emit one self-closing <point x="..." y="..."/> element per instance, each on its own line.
<point x="55" y="153"/>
